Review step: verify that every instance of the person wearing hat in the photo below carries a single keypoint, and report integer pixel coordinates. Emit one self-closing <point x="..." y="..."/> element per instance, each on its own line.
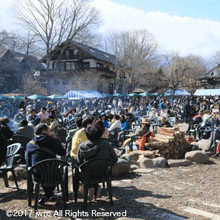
<point x="25" y="129"/>
<point x="142" y="130"/>
<point x="20" y="116"/>
<point x="153" y="113"/>
<point x="43" y="146"/>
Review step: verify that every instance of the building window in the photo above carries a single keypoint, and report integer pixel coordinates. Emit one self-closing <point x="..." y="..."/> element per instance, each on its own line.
<point x="75" y="52"/>
<point x="212" y="74"/>
<point x="86" y="64"/>
<point x="55" y="82"/>
<point x="50" y="65"/>
<point x="99" y="65"/>
<point x="70" y="66"/>
<point x="67" y="54"/>
<point x="110" y="88"/>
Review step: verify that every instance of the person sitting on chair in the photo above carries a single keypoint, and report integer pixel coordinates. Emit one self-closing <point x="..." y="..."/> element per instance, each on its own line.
<point x="20" y="116"/>
<point x="5" y="129"/>
<point x="95" y="147"/>
<point x="54" y="124"/>
<point x="43" y="146"/>
<point x="25" y="129"/>
<point x="143" y="129"/>
<point x="32" y="118"/>
<point x="105" y="134"/>
<point x="215" y="135"/>
<point x="124" y="126"/>
<point x="116" y="123"/>
<point x="165" y="123"/>
<point x="80" y="135"/>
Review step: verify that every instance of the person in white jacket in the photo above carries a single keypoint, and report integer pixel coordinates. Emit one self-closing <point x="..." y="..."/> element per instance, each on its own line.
<point x="116" y="123"/>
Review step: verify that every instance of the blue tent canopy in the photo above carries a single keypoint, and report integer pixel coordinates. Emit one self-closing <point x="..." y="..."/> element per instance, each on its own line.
<point x="83" y="94"/>
<point x="178" y="92"/>
<point x="207" y="92"/>
<point x="33" y="97"/>
<point x="56" y="97"/>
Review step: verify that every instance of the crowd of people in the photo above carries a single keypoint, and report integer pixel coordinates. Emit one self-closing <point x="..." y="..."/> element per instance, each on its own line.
<point x="92" y="124"/>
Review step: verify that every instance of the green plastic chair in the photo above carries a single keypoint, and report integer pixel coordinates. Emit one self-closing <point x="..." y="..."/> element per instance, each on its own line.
<point x="97" y="170"/>
<point x="53" y="172"/>
<point x="23" y="140"/>
<point x="9" y="163"/>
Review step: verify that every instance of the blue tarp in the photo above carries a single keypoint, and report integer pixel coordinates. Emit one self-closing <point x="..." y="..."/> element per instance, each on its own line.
<point x="178" y="92"/>
<point x="207" y="92"/>
<point x="83" y="94"/>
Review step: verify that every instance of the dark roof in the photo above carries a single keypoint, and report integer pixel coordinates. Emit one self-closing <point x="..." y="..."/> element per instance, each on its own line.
<point x="2" y="52"/>
<point x="91" y="52"/>
<point x="30" y="60"/>
<point x="213" y="73"/>
<point x="98" y="54"/>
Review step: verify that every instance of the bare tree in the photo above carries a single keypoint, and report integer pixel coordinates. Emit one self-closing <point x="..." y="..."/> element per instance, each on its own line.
<point x="197" y="67"/>
<point x="136" y="52"/>
<point x="57" y="21"/>
<point x="184" y="71"/>
<point x="19" y="43"/>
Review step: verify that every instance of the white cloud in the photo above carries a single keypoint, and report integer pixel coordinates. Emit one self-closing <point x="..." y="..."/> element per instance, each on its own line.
<point x="174" y="33"/>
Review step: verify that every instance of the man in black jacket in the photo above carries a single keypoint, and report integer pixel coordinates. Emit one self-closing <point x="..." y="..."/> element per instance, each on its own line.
<point x="129" y="116"/>
<point x="95" y="147"/>
<point x="23" y="103"/>
<point x="35" y="152"/>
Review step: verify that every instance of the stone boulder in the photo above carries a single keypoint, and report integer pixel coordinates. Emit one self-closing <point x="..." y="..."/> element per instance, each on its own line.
<point x="197" y="156"/>
<point x="132" y="157"/>
<point x="122" y="167"/>
<point x="20" y="173"/>
<point x="146" y="163"/>
<point x="134" y="167"/>
<point x="153" y="163"/>
<point x="179" y="162"/>
<point x="159" y="162"/>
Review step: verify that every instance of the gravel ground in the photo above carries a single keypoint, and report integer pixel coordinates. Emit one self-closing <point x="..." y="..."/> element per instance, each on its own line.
<point x="170" y="193"/>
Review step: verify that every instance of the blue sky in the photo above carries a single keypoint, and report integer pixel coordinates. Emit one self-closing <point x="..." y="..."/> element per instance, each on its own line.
<point x="193" y="8"/>
<point x="184" y="26"/>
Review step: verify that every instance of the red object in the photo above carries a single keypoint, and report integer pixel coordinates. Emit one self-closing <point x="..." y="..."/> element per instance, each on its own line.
<point x="141" y="142"/>
<point x="218" y="148"/>
<point x="190" y="139"/>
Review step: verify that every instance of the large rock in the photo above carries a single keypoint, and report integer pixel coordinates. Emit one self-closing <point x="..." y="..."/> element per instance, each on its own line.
<point x="148" y="154"/>
<point x="20" y="173"/>
<point x="197" y="156"/>
<point x="132" y="157"/>
<point x="146" y="163"/>
<point x="122" y="167"/>
<point x="134" y="167"/>
<point x="177" y="163"/>
<point x="159" y="162"/>
<point x="153" y="163"/>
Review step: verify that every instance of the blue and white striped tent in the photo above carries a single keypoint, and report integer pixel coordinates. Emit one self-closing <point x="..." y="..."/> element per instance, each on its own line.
<point x="207" y="92"/>
<point x="83" y="94"/>
<point x="178" y="92"/>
